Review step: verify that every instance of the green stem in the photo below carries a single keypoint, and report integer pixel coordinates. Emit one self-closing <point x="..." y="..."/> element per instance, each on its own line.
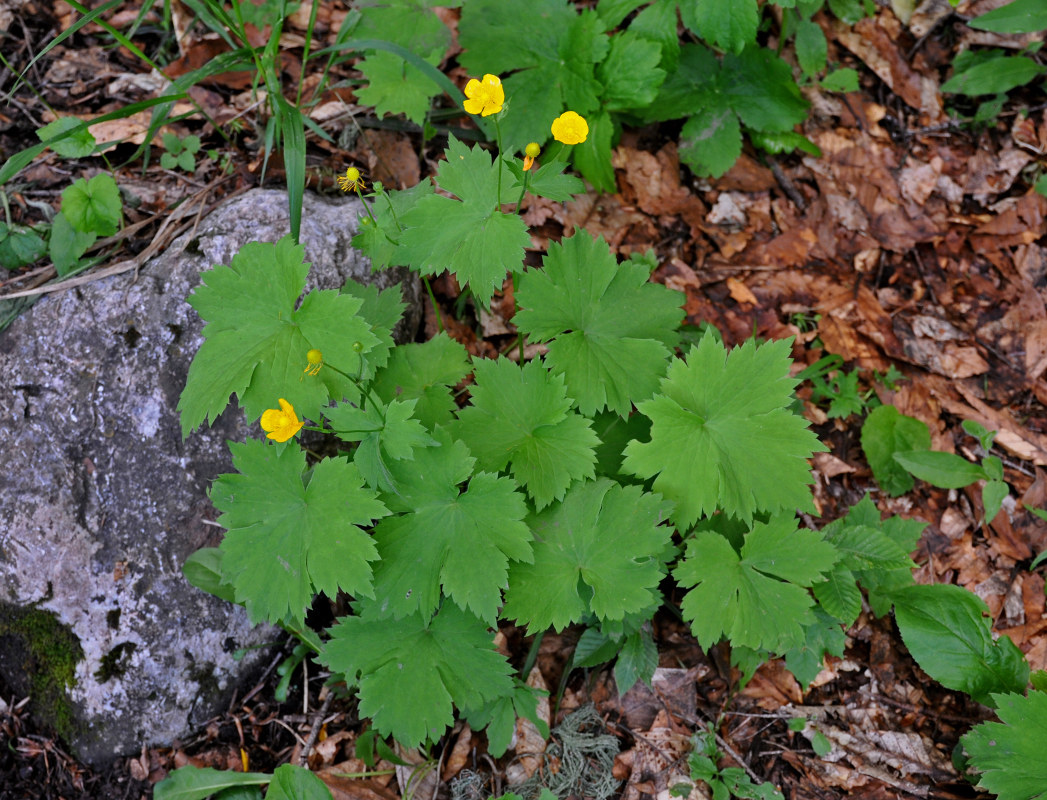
<point x="364" y="390"/>
<point x="392" y="211"/>
<point x="527" y="178"/>
<point x="367" y="208"/>
<point x="498" y="163"/>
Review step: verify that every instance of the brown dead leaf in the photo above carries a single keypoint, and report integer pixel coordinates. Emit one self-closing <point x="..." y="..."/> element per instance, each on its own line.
<point x="390" y="158"/>
<point x="610" y="217"/>
<point x="528" y="742"/>
<point x="343" y="788"/>
<point x="1020" y="222"/>
<point x="741" y="293"/>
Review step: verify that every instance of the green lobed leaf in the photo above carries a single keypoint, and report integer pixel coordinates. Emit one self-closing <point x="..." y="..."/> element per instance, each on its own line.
<point x="67" y="244"/>
<point x="593" y="156"/>
<point x="470" y="236"/>
<point x="291" y="782"/>
<point x="1009" y="754"/>
<point x="839" y="595"/>
<point x="944" y="470"/>
<point x="694" y="87"/>
<point x="823" y="636"/>
<point x="1019" y="16"/>
<point x="256" y="340"/>
<point x="425" y="372"/>
<point x="730" y="26"/>
<point x="657" y="22"/>
<point x="637" y="660"/>
<point x="548" y="180"/>
<point x="598" y="551"/>
<point x="887" y="431"/>
<point x="994" y="76"/>
<point x="460" y="540"/>
<point x="395" y="87"/>
<point x="412" y="672"/>
<point x="758" y="85"/>
<point x="286" y="541"/>
<point x="722" y="437"/>
<point x="630" y="74"/>
<point x="756" y="599"/>
<point x="93" y="206"/>
<point x="711" y="141"/>
<point x="610" y="329"/>
<point x="948" y="631"/>
<point x="382" y="310"/>
<point x="75" y="145"/>
<point x="381" y="242"/>
<point x="522" y="418"/>
<point x="499" y="717"/>
<point x="199" y="783"/>
<point x="19" y="246"/>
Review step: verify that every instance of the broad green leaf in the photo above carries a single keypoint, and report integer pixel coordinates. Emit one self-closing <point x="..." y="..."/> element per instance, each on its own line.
<point x="593" y="156"/>
<point x="93" y="206"/>
<point x="382" y="310"/>
<point x="522" y="418"/>
<point x="823" y="636"/>
<point x="412" y="672"/>
<point x="1009" y="753"/>
<point x="722" y="437"/>
<point x="598" y="551"/>
<point x="256" y="339"/>
<point x="839" y="595"/>
<point x="67" y="244"/>
<point x="19" y="246"/>
<point x="499" y="717"/>
<point x="841" y="80"/>
<point x="657" y="22"/>
<point x="630" y="74"/>
<point x="385" y="433"/>
<point x="199" y="783"/>
<point x="548" y="180"/>
<point x="811" y="47"/>
<point x="594" y="647"/>
<point x="612" y="12"/>
<point x="611" y="329"/>
<point x="948" y="631"/>
<point x="944" y="470"/>
<point x="395" y="87"/>
<point x="711" y="141"/>
<point x="759" y="87"/>
<point x="993" y="494"/>
<point x="887" y="431"/>
<point x="380" y="242"/>
<point x="637" y="660"/>
<point x="407" y="23"/>
<point x="291" y="782"/>
<point x="730" y="26"/>
<point x="286" y="541"/>
<point x="694" y="87"/>
<point x="1020" y="16"/>
<point x="203" y="569"/>
<point x="460" y="540"/>
<point x="994" y="76"/>
<point x="757" y="599"/>
<point x="470" y="236"/>
<point x="425" y="372"/>
<point x="75" y="145"/>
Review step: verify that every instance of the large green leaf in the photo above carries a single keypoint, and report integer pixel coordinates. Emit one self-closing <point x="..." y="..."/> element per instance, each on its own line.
<point x="1009" y="753"/>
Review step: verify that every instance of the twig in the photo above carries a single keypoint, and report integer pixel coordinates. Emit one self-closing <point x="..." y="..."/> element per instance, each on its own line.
<point x="785" y="182"/>
<point x="314" y="732"/>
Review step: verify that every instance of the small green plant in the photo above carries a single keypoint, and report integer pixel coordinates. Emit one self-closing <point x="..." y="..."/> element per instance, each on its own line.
<point x="288" y="782"/>
<point x="181" y="153"/>
<point x="90" y="208"/>
<point x="723" y="782"/>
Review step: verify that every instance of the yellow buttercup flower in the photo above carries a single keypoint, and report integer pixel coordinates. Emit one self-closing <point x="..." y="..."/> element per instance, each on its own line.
<point x="570" y="128"/>
<point x="280" y="424"/>
<point x="314" y="359"/>
<point x="486" y="97"/>
<point x="351" y="181"/>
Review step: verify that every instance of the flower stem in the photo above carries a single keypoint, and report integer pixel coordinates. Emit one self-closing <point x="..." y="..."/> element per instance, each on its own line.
<point x="498" y="163"/>
<point x="527" y="178"/>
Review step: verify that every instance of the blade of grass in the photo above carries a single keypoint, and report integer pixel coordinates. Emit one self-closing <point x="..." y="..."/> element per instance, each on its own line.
<point x="292" y="132"/>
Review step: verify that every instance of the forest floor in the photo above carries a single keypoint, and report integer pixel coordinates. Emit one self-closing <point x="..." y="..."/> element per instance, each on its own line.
<point x="914" y="248"/>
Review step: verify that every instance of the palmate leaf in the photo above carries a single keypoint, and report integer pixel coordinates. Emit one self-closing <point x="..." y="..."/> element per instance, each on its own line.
<point x="600" y="551"/>
<point x="410" y="671"/>
<point x="286" y="541"/>
<point x="611" y="329"/>
<point x="1009" y="753"/>
<point x="470" y="236"/>
<point x="425" y="372"/>
<point x="460" y="540"/>
<point x="256" y="340"/>
<point x="722" y="437"/>
<point x="757" y="599"/>
<point x="522" y="418"/>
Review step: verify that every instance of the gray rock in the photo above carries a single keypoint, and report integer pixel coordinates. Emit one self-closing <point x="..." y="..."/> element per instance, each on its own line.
<point x="101" y="501"/>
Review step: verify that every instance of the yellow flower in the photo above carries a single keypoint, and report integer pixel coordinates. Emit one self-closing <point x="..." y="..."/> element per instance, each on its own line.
<point x="314" y="360"/>
<point x="351" y="181"/>
<point x="530" y="154"/>
<point x="280" y="424"/>
<point x="570" y="128"/>
<point x="486" y="97"/>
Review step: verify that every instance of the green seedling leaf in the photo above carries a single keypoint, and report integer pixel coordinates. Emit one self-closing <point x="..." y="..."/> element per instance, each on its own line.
<point x="287" y="541"/>
<point x="522" y="418"/>
<point x="758" y="598"/>
<point x="411" y="672"/>
<point x="199" y="783"/>
<point x="425" y="372"/>
<point x="1020" y="16"/>
<point x="887" y="431"/>
<point x="729" y="26"/>
<point x="993" y="494"/>
<point x="291" y="782"/>
<point x="499" y="717"/>
<point x="944" y="470"/>
<point x="598" y="551"/>
<point x="67" y="244"/>
<point x="722" y="437"/>
<point x="630" y="73"/>
<point x="1009" y="754"/>
<point x="460" y="540"/>
<point x="711" y="141"/>
<point x="784" y="142"/>
<point x="93" y="206"/>
<point x="811" y="47"/>
<point x="841" y="80"/>
<point x="470" y="236"/>
<point x="994" y="76"/>
<point x="611" y="330"/>
<point x="760" y="88"/>
<point x="19" y="246"/>
<point x="256" y="338"/>
<point x="75" y="145"/>
<point x="203" y="569"/>
<point x="637" y="660"/>
<point x="824" y="636"/>
<point x="978" y="431"/>
<point x="948" y="631"/>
